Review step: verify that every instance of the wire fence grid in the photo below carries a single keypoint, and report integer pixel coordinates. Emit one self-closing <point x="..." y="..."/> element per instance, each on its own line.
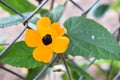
<point x="25" y="23"/>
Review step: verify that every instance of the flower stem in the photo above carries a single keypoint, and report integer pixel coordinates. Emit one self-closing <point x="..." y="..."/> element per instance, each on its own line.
<point x="67" y="70"/>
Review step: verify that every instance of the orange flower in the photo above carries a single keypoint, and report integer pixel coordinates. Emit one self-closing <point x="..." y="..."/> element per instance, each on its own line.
<point x="48" y="38"/>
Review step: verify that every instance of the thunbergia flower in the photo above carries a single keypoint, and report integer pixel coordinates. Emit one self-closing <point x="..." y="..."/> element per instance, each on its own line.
<point x="47" y="39"/>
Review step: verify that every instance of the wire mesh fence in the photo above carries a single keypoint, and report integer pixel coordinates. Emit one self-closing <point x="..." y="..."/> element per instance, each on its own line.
<point x="25" y="23"/>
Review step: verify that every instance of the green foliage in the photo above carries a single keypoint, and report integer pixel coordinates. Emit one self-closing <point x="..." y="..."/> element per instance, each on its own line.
<point x="76" y="72"/>
<point x="20" y="5"/>
<point x="116" y="6"/>
<point x="113" y="69"/>
<point x="54" y="14"/>
<point x="90" y="39"/>
<point x="1" y="48"/>
<point x="33" y="72"/>
<point x="114" y="62"/>
<point x="20" y="55"/>
<point x="101" y="10"/>
<point x="44" y="11"/>
<point x="14" y="20"/>
<point x="2" y="39"/>
<point x="87" y="38"/>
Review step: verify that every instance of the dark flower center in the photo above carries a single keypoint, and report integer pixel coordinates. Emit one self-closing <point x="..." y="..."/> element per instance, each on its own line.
<point x="47" y="39"/>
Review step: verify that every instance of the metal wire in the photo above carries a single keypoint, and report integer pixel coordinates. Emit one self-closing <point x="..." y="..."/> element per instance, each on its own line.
<point x="81" y="78"/>
<point x="2" y="67"/>
<point x="26" y="25"/>
<point x="45" y="68"/>
<point x="85" y="12"/>
<point x="78" y="6"/>
<point x="33" y="13"/>
<point x="117" y="76"/>
<point x="12" y="9"/>
<point x="25" y="22"/>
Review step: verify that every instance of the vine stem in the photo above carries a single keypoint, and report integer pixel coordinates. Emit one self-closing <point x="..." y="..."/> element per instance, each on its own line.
<point x="67" y="70"/>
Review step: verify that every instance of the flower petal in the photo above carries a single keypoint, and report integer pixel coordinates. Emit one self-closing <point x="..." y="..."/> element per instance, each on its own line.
<point x="43" y="23"/>
<point x="55" y="25"/>
<point x="33" y="38"/>
<point x="60" y="44"/>
<point x="61" y="31"/>
<point x="58" y="30"/>
<point x="43" y="53"/>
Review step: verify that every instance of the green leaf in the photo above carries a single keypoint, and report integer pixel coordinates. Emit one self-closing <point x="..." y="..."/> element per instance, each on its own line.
<point x="114" y="69"/>
<point x="101" y="10"/>
<point x="14" y="20"/>
<point x="20" y="55"/>
<point x="33" y="72"/>
<point x="20" y="5"/>
<point x="44" y="11"/>
<point x="55" y="14"/>
<point x="90" y="39"/>
<point x="76" y="72"/>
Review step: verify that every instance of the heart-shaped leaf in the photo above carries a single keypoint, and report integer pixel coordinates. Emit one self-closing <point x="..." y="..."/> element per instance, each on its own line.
<point x="90" y="39"/>
<point x="20" y="55"/>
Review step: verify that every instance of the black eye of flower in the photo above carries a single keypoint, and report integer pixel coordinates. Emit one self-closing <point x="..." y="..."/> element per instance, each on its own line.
<point x="47" y="39"/>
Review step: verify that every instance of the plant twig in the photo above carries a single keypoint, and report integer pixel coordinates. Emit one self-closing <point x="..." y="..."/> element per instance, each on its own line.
<point x="4" y="44"/>
<point x="67" y="70"/>
<point x="52" y="4"/>
<point x="65" y="3"/>
<point x="118" y="35"/>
